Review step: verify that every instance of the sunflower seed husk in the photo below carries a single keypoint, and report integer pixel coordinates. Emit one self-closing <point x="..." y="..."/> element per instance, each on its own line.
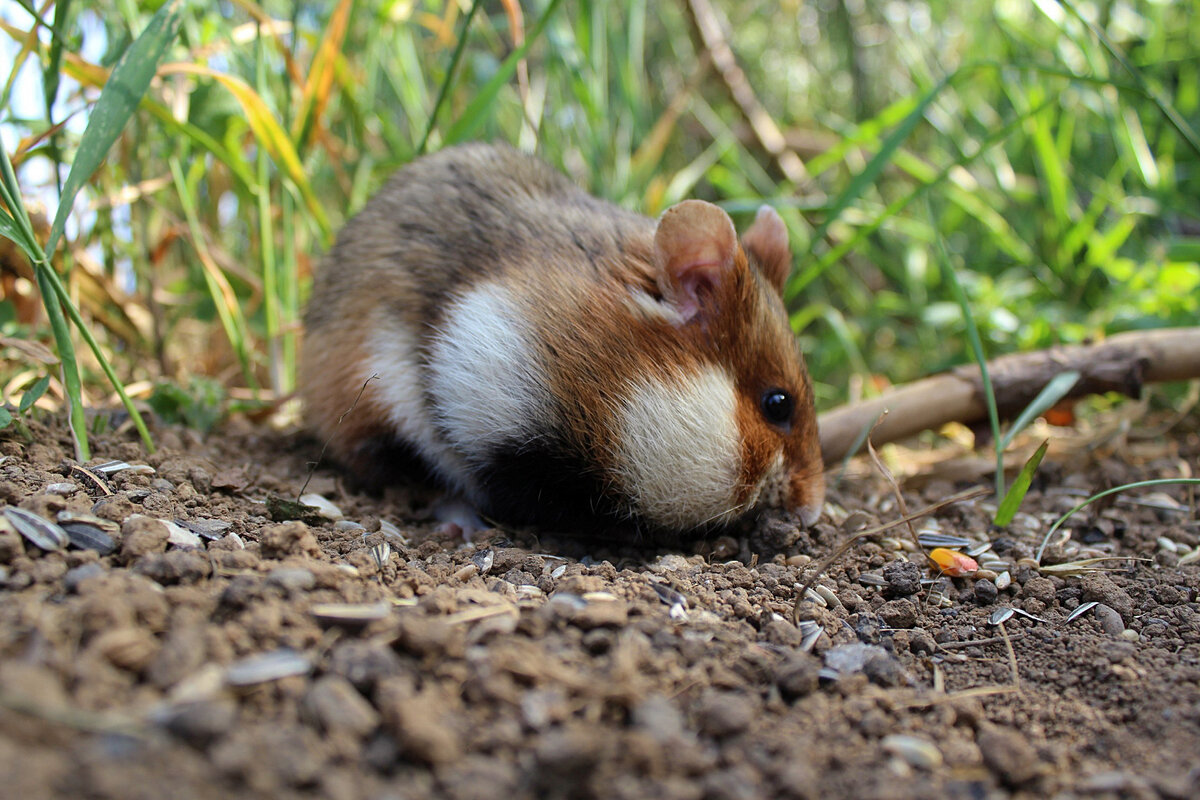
<point x="381" y="553"/>
<point x="1003" y="580"/>
<point x="1000" y="615"/>
<point x="914" y="750"/>
<point x="113" y="467"/>
<point x="324" y="507"/>
<point x="938" y="539"/>
<point x="1081" y="610"/>
<point x="211" y="529"/>
<point x="483" y="560"/>
<point x="270" y="666"/>
<point x="669" y="596"/>
<point x="350" y="615"/>
<point x="872" y="579"/>
<point x="979" y="549"/>
<point x="181" y="537"/>
<point x="43" y="533"/>
<point x="85" y="536"/>
<point x="831" y="599"/>
<point x="107" y="525"/>
<point x="810" y="631"/>
<point x="392" y="533"/>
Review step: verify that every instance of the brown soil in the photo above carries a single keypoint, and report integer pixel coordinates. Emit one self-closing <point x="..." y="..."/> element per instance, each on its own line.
<point x="517" y="667"/>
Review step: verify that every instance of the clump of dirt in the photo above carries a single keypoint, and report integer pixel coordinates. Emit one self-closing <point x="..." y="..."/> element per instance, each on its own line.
<point x="187" y="644"/>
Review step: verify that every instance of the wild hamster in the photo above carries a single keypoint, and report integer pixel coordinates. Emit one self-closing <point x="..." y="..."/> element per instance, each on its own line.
<point x="558" y="360"/>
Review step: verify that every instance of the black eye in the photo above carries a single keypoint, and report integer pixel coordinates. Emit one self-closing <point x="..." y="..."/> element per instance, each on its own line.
<point x="777" y="406"/>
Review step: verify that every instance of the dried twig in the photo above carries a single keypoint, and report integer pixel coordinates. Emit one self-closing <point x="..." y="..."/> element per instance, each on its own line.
<point x="1121" y="363"/>
<point x="712" y="39"/>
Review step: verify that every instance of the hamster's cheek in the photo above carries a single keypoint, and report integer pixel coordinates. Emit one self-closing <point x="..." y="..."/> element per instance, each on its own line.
<point x="678" y="449"/>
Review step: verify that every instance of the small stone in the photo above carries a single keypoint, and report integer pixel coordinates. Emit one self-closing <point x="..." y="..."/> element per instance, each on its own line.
<point x="1101" y="588"/>
<point x="658" y="716"/>
<point x="174" y="567"/>
<point x="798" y="676"/>
<point x="1110" y="621"/>
<point x="601" y="614"/>
<point x="84" y="572"/>
<point x="986" y="592"/>
<point x="364" y="663"/>
<point x="920" y="642"/>
<point x="293" y="579"/>
<point x="337" y="706"/>
<point x="127" y="648"/>
<point x="882" y="669"/>
<point x="201" y="722"/>
<point x="1039" y="588"/>
<point x="903" y="578"/>
<point x="1008" y="754"/>
<point x="899" y="613"/>
<point x="722" y="714"/>
<point x="287" y="539"/>
<point x="141" y="536"/>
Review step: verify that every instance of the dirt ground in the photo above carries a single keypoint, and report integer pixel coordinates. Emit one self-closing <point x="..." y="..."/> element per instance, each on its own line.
<point x="224" y="654"/>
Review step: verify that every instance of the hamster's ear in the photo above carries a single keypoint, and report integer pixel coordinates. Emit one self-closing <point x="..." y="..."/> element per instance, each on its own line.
<point x="766" y="241"/>
<point x="696" y="249"/>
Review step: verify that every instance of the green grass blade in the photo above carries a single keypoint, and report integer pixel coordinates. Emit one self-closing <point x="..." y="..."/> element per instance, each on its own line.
<point x="33" y="394"/>
<point x="1050" y="394"/>
<point x="473" y="116"/>
<point x="867" y="177"/>
<point x="1016" y="492"/>
<point x="1165" y="107"/>
<point x="223" y="299"/>
<point x="120" y="97"/>
<point x="989" y="393"/>
<point x="66" y="356"/>
<point x="1058" y="524"/>
<point x="444" y="89"/>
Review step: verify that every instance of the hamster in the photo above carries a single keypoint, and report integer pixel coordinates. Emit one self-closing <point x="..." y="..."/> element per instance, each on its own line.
<point x="557" y="360"/>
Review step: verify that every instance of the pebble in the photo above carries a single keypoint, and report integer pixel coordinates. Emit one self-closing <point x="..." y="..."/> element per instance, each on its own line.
<point x="288" y="539"/>
<point x="798" y="676"/>
<point x="1008" y="754"/>
<point x="141" y="535"/>
<point x="201" y="722"/>
<point x="903" y="578"/>
<point x="1098" y="586"/>
<point x="722" y="714"/>
<point x="337" y="706"/>
<point x="899" y="613"/>
<point x="917" y="751"/>
<point x="1110" y="621"/>
<point x="986" y="592"/>
<point x="78" y="575"/>
<point x="658" y="717"/>
<point x="364" y="663"/>
<point x="292" y="579"/>
<point x="1039" y="589"/>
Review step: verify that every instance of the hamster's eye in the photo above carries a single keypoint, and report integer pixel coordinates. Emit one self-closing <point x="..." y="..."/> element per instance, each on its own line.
<point x="777" y="406"/>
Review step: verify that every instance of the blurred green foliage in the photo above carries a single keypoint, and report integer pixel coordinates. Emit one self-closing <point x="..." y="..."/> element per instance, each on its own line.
<point x="1063" y="184"/>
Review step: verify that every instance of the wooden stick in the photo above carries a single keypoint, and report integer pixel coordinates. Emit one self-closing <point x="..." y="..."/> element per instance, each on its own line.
<point x="1122" y="363"/>
<point x="712" y="39"/>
